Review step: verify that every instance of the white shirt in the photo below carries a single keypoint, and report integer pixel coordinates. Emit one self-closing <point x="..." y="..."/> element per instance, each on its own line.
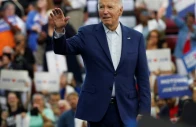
<point x="152" y="25"/>
<point x="153" y="5"/>
<point x="114" y="39"/>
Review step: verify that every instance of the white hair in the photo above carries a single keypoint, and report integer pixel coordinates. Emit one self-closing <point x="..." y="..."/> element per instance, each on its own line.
<point x="120" y="3"/>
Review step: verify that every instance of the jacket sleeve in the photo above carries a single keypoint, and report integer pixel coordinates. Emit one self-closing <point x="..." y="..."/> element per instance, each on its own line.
<point x="178" y="21"/>
<point x="142" y="77"/>
<point x="70" y="46"/>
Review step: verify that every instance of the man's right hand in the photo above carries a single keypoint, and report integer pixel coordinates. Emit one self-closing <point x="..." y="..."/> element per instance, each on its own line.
<point x="60" y="21"/>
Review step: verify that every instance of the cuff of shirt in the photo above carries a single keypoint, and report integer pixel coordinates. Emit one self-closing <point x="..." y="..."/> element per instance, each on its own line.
<point x="58" y="35"/>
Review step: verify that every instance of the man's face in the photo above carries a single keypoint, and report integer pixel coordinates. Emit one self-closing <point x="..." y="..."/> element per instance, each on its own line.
<point x="38" y="101"/>
<point x="110" y="11"/>
<point x="54" y="99"/>
<point x="190" y="21"/>
<point x="10" y="10"/>
<point x="73" y="101"/>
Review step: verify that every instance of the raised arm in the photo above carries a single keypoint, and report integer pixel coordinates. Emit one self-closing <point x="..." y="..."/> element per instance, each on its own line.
<point x="61" y="44"/>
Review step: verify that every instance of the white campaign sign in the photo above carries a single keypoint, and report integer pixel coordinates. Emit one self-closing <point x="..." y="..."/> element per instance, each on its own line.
<point x="56" y="63"/>
<point x="15" y="80"/>
<point x="159" y="59"/>
<point x="45" y="81"/>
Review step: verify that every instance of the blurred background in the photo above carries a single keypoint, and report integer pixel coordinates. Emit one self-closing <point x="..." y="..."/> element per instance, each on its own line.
<point x="38" y="87"/>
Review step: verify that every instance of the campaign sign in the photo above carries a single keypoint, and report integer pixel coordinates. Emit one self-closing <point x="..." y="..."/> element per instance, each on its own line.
<point x="14" y="80"/>
<point x="189" y="60"/>
<point x="56" y="63"/>
<point x="159" y="59"/>
<point x="45" y="81"/>
<point x="173" y="86"/>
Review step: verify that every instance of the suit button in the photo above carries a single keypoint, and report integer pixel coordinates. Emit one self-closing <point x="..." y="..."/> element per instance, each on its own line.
<point x="110" y="88"/>
<point x="115" y="74"/>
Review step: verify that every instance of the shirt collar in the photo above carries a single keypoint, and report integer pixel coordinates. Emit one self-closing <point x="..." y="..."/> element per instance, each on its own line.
<point x="118" y="29"/>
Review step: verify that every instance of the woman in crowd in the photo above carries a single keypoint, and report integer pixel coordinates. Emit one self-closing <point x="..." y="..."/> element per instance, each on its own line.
<point x="14" y="108"/>
<point x="35" y="20"/>
<point x="12" y="18"/>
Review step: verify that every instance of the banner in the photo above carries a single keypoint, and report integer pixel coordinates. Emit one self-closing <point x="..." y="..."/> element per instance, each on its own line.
<point x="189" y="60"/>
<point x="159" y="59"/>
<point x="56" y="63"/>
<point x="173" y="86"/>
<point x="15" y="80"/>
<point x="45" y="81"/>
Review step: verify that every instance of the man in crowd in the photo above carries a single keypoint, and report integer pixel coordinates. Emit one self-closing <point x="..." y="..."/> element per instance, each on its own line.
<point x="67" y="118"/>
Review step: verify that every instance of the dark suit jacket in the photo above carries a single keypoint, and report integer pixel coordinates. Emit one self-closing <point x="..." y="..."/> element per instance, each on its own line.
<point x="66" y="119"/>
<point x="91" y="43"/>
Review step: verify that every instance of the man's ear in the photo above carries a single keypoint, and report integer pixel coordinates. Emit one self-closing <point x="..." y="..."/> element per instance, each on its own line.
<point x="121" y="10"/>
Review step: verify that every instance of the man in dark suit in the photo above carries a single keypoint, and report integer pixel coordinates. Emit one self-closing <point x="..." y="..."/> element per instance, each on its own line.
<point x="115" y="61"/>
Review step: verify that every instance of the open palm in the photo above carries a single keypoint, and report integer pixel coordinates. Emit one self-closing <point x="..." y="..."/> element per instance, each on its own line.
<point x="60" y="21"/>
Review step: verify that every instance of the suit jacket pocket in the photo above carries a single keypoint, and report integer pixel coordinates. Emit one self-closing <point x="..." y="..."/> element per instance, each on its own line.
<point x="88" y="88"/>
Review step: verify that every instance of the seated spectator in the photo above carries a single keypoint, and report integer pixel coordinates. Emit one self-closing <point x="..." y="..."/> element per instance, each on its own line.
<point x="6" y="33"/>
<point x="186" y="39"/>
<point x="65" y="88"/>
<point x="67" y="119"/>
<point x="146" y="25"/>
<point x="9" y="9"/>
<point x="40" y="114"/>
<point x="14" y="108"/>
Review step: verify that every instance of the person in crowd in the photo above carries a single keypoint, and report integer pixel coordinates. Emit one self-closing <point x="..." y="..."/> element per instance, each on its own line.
<point x="10" y="16"/>
<point x="65" y="88"/>
<point x="23" y="56"/>
<point x="7" y="58"/>
<point x="40" y="114"/>
<point x="6" y="32"/>
<point x="170" y="111"/>
<point x="15" y="108"/>
<point x="158" y="6"/>
<point x="154" y="42"/>
<point x="146" y="25"/>
<point x="63" y="106"/>
<point x="54" y="98"/>
<point x="74" y="9"/>
<point x="35" y="20"/>
<point x="3" y="117"/>
<point x="186" y="39"/>
<point x="67" y="118"/>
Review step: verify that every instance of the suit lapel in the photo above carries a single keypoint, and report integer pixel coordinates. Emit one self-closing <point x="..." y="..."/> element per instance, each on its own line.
<point x="101" y="37"/>
<point x="125" y="39"/>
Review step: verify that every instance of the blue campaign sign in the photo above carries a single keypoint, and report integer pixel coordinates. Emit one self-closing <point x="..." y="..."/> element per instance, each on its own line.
<point x="173" y="86"/>
<point x="189" y="60"/>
